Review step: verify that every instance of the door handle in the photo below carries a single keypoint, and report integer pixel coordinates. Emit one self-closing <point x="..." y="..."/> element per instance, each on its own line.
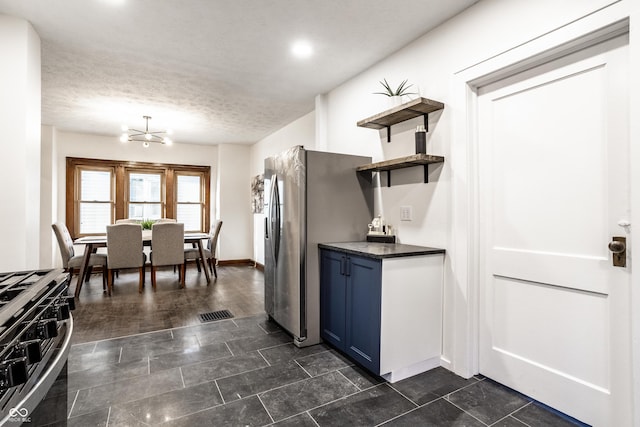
<point x="618" y="246"/>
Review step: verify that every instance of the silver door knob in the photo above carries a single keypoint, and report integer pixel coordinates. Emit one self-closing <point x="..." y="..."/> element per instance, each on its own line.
<point x="617" y="247"/>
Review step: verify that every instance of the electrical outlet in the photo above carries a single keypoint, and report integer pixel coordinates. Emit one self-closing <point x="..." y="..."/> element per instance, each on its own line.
<point x="406" y="213"/>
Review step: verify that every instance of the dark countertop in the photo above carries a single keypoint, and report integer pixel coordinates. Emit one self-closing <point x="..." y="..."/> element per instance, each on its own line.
<point x="380" y="250"/>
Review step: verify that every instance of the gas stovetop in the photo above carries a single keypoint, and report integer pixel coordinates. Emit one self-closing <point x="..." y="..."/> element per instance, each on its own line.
<point x="35" y="334"/>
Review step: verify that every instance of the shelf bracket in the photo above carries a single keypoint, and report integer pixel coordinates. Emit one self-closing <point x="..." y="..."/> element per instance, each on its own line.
<point x="388" y="133"/>
<point x="389" y="178"/>
<point x="426" y="174"/>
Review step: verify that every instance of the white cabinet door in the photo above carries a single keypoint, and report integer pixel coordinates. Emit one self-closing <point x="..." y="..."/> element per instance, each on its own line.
<point x="554" y="187"/>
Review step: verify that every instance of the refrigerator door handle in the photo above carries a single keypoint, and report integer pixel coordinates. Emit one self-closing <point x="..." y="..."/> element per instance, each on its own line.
<point x="266" y="227"/>
<point x="275" y="218"/>
<point x="342" y="266"/>
<point x="347" y="266"/>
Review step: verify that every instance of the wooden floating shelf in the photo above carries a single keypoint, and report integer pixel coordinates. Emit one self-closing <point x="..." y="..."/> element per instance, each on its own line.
<point x="401" y="163"/>
<point x="409" y="110"/>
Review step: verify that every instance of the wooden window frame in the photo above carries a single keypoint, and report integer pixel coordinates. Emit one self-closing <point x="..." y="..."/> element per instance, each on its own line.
<point x="203" y="222"/>
<point x="78" y="191"/>
<point x="121" y="168"/>
<point x="163" y="182"/>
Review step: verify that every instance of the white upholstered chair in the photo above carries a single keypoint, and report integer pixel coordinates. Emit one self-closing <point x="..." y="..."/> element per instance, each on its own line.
<point x="165" y="220"/>
<point x="124" y="250"/>
<point x="127" y="221"/>
<point x="209" y="250"/>
<point x="70" y="260"/>
<point x="167" y="248"/>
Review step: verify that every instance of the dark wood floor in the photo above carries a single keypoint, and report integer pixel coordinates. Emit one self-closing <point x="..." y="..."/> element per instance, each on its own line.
<point x="239" y="289"/>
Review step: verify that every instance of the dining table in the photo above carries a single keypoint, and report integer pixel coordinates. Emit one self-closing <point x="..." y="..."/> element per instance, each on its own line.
<point x="92" y="243"/>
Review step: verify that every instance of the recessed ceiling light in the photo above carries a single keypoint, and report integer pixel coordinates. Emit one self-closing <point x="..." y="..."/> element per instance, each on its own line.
<point x="113" y="2"/>
<point x="302" y="49"/>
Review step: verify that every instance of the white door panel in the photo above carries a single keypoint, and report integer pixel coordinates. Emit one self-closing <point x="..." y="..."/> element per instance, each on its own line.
<point x="546" y="334"/>
<point x="554" y="182"/>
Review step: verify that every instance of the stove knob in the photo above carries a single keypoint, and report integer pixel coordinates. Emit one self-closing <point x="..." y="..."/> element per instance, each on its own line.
<point x="63" y="312"/>
<point x="47" y="328"/>
<point x="30" y="350"/>
<point x="13" y="372"/>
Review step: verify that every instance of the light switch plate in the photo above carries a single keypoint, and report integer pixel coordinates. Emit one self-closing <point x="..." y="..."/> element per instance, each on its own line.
<point x="406" y="213"/>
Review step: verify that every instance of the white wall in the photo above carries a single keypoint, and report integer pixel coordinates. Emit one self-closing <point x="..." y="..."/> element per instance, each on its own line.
<point x="299" y="132"/>
<point x="49" y="253"/>
<point x="234" y="202"/>
<point x="487" y="29"/>
<point x="20" y="145"/>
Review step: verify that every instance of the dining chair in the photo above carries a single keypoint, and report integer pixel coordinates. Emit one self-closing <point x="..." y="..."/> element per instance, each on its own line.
<point x="124" y="250"/>
<point x="165" y="220"/>
<point x="70" y="260"/>
<point x="209" y="250"/>
<point x="167" y="248"/>
<point x="127" y="221"/>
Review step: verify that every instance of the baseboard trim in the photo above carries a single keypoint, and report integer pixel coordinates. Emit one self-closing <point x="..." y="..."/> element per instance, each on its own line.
<point x="235" y="262"/>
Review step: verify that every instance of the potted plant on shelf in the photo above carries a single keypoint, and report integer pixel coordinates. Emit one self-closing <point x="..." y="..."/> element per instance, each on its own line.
<point x="395" y="95"/>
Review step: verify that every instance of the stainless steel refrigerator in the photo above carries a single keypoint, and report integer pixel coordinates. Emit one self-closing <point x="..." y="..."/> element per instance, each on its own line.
<point x="310" y="197"/>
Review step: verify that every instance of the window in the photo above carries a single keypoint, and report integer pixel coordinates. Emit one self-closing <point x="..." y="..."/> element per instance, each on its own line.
<point x="145" y="196"/>
<point x="189" y="201"/>
<point x="95" y="204"/>
<point x="101" y="191"/>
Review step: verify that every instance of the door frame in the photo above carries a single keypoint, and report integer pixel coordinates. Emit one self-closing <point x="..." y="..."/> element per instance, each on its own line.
<point x="604" y="24"/>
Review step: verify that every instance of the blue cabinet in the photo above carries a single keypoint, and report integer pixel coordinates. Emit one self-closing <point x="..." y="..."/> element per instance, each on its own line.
<point x="333" y="294"/>
<point x="350" y="301"/>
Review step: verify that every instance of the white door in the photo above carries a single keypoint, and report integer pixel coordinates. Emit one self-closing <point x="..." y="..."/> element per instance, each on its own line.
<point x="554" y="190"/>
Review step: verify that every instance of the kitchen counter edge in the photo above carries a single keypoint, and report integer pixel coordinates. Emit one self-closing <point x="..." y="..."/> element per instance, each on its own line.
<point x="381" y="250"/>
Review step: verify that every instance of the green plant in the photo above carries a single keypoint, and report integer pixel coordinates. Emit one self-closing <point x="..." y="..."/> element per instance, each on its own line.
<point x="401" y="90"/>
<point x="147" y="223"/>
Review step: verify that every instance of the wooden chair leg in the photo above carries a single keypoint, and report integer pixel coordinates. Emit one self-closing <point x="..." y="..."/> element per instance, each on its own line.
<point x="109" y="282"/>
<point x="105" y="273"/>
<point x="198" y="264"/>
<point x="140" y="279"/>
<point x="182" y="276"/>
<point x="87" y="276"/>
<point x="213" y="262"/>
<point x="153" y="277"/>
<point x="210" y="264"/>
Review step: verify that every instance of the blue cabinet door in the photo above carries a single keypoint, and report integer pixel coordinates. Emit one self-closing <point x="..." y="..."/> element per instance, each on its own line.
<point x="332" y="297"/>
<point x="363" y="310"/>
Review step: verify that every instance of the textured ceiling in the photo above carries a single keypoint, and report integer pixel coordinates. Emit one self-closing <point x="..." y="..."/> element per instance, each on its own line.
<point x="214" y="71"/>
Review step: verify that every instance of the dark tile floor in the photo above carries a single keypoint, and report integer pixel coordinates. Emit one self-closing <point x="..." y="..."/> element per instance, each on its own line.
<point x="246" y="371"/>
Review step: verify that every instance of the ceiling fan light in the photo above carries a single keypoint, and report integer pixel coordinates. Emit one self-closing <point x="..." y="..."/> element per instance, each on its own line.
<point x="147" y="136"/>
<point x="145" y="144"/>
